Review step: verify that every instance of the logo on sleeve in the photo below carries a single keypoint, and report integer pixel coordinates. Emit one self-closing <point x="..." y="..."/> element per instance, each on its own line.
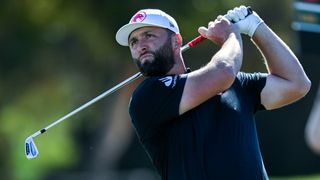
<point x="169" y="81"/>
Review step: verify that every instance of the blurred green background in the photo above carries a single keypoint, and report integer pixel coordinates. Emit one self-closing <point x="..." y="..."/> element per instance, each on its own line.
<point x="56" y="55"/>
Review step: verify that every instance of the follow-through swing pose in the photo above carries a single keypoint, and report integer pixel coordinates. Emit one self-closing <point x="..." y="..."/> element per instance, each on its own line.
<point x="200" y="124"/>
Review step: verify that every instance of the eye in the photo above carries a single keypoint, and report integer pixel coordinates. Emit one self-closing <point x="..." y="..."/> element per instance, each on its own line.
<point x="133" y="42"/>
<point x="149" y="35"/>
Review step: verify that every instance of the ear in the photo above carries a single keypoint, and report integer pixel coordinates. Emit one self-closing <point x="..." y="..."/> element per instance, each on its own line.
<point x="177" y="41"/>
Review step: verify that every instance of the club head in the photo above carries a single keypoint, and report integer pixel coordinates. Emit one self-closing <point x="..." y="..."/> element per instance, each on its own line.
<point x="31" y="150"/>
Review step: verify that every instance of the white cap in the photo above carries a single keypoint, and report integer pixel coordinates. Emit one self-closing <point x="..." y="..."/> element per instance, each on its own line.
<point x="146" y="17"/>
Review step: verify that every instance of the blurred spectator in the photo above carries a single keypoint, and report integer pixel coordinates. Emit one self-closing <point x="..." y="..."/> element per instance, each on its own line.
<point x="312" y="131"/>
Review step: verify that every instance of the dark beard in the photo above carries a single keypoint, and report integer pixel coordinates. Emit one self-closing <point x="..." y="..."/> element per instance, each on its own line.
<point x="162" y="63"/>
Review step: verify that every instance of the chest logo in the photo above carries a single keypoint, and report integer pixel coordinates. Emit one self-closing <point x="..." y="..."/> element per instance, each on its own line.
<point x="167" y="80"/>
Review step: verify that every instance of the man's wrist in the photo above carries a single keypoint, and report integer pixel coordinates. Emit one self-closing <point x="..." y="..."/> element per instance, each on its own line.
<point x="257" y="31"/>
<point x="254" y="29"/>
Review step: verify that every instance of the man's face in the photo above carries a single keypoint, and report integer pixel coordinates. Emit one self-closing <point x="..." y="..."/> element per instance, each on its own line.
<point x="151" y="50"/>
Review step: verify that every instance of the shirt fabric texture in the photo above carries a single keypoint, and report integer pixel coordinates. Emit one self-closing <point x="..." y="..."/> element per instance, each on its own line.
<point x="216" y="140"/>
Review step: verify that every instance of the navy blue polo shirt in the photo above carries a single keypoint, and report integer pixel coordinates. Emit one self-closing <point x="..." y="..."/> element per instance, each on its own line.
<point x="215" y="140"/>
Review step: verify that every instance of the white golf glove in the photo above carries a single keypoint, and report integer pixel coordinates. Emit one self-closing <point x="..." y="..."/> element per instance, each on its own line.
<point x="245" y="24"/>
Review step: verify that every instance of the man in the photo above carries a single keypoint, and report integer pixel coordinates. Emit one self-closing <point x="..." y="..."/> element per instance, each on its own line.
<point x="200" y="125"/>
<point x="312" y="129"/>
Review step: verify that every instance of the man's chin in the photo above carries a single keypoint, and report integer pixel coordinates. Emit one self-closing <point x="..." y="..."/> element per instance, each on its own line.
<point x="146" y="60"/>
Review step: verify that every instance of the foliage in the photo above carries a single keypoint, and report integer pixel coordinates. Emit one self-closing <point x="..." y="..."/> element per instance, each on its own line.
<point x="56" y="54"/>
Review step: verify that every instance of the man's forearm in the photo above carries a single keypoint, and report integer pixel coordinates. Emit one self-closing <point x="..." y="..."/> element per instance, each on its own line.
<point x="231" y="53"/>
<point x="217" y="76"/>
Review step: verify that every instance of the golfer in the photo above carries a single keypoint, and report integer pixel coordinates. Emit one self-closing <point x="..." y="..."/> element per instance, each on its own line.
<point x="312" y="129"/>
<point x="200" y="125"/>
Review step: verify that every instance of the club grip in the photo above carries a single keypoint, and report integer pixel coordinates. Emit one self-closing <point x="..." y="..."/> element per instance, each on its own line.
<point x="200" y="38"/>
<point x="249" y="10"/>
<point x="195" y="41"/>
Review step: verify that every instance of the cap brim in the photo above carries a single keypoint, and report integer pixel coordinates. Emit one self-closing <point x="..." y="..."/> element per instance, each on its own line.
<point x="124" y="32"/>
<point x="122" y="36"/>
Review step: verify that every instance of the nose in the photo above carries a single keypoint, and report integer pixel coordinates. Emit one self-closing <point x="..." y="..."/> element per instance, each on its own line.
<point x="141" y="46"/>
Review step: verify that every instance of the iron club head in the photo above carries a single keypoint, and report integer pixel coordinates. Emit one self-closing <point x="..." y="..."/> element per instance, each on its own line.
<point x="31" y="150"/>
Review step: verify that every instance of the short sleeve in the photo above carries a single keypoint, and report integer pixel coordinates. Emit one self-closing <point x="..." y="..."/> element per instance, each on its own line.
<point x="155" y="102"/>
<point x="253" y="83"/>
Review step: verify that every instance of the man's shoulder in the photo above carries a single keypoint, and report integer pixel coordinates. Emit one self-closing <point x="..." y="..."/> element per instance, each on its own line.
<point x="157" y="83"/>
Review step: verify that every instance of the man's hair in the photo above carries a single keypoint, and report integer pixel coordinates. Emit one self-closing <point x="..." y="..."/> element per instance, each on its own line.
<point x="169" y="32"/>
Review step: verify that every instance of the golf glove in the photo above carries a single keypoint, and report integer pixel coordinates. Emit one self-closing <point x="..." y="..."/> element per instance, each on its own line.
<point x="246" y="25"/>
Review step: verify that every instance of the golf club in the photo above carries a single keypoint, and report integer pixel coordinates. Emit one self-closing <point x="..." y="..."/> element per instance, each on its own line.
<point x="31" y="150"/>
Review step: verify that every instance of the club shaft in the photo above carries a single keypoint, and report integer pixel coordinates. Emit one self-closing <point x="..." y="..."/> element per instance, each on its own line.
<point x="184" y="48"/>
<point x="192" y="43"/>
<point x="106" y="93"/>
<point x="110" y="91"/>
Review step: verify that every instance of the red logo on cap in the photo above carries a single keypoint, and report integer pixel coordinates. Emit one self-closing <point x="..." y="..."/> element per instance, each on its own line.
<point x="139" y="17"/>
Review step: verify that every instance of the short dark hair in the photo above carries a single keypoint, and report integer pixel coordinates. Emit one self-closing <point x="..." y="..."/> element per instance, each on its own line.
<point x="169" y="32"/>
